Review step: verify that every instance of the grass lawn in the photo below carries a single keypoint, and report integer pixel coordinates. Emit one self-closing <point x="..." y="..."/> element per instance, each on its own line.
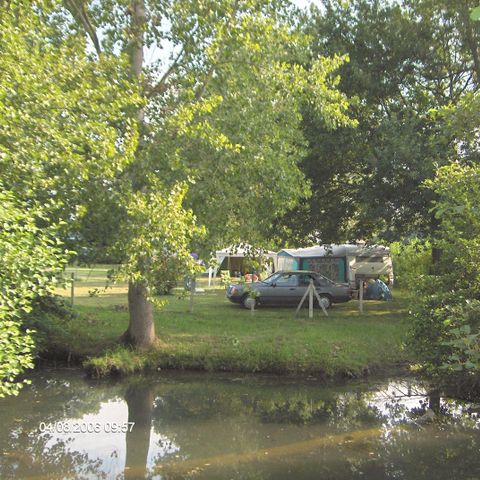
<point x="222" y="336"/>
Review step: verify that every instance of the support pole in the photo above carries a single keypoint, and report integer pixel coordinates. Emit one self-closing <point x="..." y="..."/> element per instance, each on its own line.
<point x="360" y="306"/>
<point x="320" y="301"/>
<point x="72" y="288"/>
<point x="192" y="292"/>
<point x="310" y="300"/>
<point x="301" y="301"/>
<point x="311" y="292"/>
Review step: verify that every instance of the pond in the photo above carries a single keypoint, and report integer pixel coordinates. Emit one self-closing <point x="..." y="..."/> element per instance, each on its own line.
<point x="201" y="426"/>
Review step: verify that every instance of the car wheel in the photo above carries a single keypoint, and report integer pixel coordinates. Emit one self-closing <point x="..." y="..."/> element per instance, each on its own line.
<point x="326" y="301"/>
<point x="247" y="302"/>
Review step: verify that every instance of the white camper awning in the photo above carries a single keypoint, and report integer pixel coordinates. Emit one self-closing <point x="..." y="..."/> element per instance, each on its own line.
<point x="240" y="252"/>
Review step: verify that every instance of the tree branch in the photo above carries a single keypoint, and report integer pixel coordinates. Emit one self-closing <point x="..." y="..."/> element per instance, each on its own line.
<point x="201" y="90"/>
<point x="471" y="41"/>
<point x="160" y="86"/>
<point x="79" y="13"/>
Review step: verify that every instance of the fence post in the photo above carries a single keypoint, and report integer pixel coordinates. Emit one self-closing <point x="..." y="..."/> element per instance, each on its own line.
<point x="361" y="296"/>
<point x="72" y="288"/>
<point x="310" y="299"/>
<point x="192" y="292"/>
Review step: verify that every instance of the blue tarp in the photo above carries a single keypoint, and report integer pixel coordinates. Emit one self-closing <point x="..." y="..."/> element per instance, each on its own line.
<point x="378" y="290"/>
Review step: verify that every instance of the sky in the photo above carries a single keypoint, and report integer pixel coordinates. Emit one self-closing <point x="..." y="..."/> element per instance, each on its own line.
<point x="305" y="3"/>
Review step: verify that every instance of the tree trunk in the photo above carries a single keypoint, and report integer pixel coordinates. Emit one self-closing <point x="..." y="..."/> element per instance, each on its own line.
<point x="141" y="329"/>
<point x="140" y="400"/>
<point x="436" y="257"/>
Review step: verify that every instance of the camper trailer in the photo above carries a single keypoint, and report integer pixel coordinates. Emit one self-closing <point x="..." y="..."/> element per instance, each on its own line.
<point x="346" y="263"/>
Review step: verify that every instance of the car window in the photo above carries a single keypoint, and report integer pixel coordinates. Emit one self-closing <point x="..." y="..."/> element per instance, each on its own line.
<point x="271" y="279"/>
<point x="322" y="281"/>
<point x="287" y="280"/>
<point x="305" y="278"/>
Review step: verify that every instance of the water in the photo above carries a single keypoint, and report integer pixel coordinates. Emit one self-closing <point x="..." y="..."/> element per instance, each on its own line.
<point x="200" y="426"/>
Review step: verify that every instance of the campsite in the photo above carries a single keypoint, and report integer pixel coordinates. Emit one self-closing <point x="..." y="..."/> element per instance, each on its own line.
<point x="239" y="239"/>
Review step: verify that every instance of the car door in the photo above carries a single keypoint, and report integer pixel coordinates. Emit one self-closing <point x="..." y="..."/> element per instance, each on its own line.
<point x="285" y="290"/>
<point x="303" y="283"/>
<point x="337" y="292"/>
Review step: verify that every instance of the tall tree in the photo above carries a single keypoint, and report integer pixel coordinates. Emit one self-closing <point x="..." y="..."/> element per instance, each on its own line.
<point x="220" y="113"/>
<point x="60" y="141"/>
<point x="407" y="60"/>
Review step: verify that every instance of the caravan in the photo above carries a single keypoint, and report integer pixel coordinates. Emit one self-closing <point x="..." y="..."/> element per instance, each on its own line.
<point x="345" y="263"/>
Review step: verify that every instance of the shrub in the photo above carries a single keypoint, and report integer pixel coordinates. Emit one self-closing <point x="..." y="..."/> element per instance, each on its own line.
<point x="411" y="261"/>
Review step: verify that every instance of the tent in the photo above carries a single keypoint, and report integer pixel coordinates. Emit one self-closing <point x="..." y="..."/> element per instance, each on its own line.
<point x="378" y="290"/>
<point x="233" y="258"/>
<point x="347" y="263"/>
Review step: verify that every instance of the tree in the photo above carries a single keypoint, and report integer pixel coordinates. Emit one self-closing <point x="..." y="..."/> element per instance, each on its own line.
<point x="30" y="258"/>
<point x="446" y="327"/>
<point x="223" y="110"/>
<point x="407" y="60"/>
<point x="60" y="142"/>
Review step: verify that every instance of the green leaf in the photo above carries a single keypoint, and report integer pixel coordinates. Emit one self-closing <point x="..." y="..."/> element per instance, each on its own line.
<point x="475" y="14"/>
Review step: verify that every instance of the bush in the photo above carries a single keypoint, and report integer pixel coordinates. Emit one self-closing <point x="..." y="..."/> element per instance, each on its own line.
<point x="436" y="315"/>
<point x="411" y="261"/>
<point x="446" y="324"/>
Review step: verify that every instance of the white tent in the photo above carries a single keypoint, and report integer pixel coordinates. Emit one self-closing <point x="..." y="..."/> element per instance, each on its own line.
<point x="235" y="252"/>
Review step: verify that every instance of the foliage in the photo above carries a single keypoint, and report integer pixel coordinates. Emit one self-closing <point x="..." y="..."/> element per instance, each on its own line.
<point x="447" y="319"/>
<point x="155" y="238"/>
<point x="225" y="278"/>
<point x="412" y="260"/>
<point x="30" y="259"/>
<point x="224" y="108"/>
<point x="233" y="123"/>
<point x="66" y="121"/>
<point x="447" y="322"/>
<point x="408" y="60"/>
<point x="65" y="133"/>
<point x="465" y="347"/>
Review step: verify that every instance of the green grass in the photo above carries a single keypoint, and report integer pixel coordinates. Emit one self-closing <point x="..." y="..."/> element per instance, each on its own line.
<point x="223" y="336"/>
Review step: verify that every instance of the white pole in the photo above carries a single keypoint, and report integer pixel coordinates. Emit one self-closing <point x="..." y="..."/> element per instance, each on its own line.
<point x="320" y="302"/>
<point x="310" y="299"/>
<point x="72" y="288"/>
<point x="301" y="302"/>
<point x="192" y="293"/>
<point x="361" y="296"/>
<point x="209" y="276"/>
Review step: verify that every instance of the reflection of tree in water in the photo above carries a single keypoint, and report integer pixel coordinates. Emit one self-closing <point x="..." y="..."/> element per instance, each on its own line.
<point x="397" y="448"/>
<point x="211" y="419"/>
<point x="35" y="455"/>
<point x="24" y="451"/>
<point x="139" y="398"/>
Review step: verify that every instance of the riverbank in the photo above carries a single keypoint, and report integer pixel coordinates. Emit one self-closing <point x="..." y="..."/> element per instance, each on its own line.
<point x="220" y="336"/>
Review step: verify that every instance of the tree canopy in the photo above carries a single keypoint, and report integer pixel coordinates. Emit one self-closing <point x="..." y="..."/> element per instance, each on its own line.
<point x="64" y="131"/>
<point x="408" y="60"/>
<point x="118" y="158"/>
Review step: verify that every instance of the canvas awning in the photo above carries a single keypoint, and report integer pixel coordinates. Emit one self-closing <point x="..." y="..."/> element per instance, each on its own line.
<point x="240" y="252"/>
<point x="236" y="252"/>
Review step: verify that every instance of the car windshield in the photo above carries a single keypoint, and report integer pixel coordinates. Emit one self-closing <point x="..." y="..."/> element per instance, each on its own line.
<point x="271" y="279"/>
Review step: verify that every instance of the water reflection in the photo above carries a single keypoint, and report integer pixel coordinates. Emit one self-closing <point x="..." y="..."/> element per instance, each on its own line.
<point x="199" y="426"/>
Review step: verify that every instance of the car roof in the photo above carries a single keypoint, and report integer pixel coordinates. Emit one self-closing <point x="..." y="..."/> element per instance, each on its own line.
<point x="298" y="272"/>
